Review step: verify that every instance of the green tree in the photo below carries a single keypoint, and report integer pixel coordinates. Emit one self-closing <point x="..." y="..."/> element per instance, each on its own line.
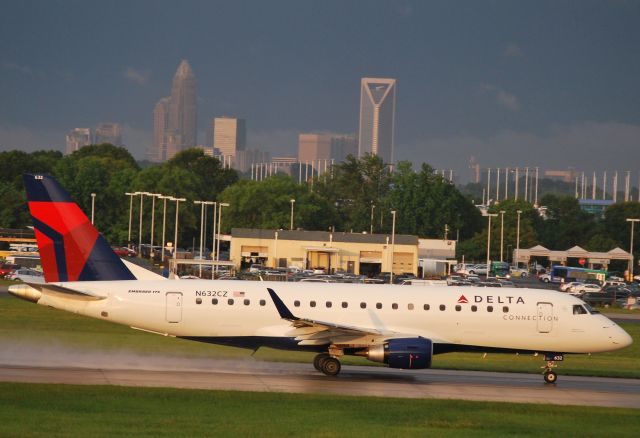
<point x="213" y="178"/>
<point x="426" y="203"/>
<point x="615" y="223"/>
<point x="566" y="225"/>
<point x="16" y="163"/>
<point x="267" y="204"/>
<point x="356" y="185"/>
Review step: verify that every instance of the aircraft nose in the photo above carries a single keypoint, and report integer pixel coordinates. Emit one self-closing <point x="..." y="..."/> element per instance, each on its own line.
<point x="621" y="338"/>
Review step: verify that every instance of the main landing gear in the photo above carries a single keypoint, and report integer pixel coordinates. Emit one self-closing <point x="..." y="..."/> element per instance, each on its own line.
<point x="329" y="365"/>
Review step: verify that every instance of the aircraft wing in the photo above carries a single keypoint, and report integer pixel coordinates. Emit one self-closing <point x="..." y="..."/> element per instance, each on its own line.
<point x="313" y="332"/>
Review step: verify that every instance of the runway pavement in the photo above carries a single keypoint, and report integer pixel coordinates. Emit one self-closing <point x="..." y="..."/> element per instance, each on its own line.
<point x="248" y="375"/>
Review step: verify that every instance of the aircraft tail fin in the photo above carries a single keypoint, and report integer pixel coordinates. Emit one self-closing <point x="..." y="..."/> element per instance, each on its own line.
<point x="71" y="249"/>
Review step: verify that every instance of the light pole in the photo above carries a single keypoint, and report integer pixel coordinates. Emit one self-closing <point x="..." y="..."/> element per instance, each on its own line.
<point x="502" y="212"/>
<point x="489" y="215"/>
<point x="632" y="220"/>
<point x="203" y="237"/>
<point x="518" y="239"/>
<point x="140" y="230"/>
<point x="213" y="233"/>
<point x="164" y="221"/>
<point x="292" y="201"/>
<point x="153" y="218"/>
<point x="93" y="206"/>
<point x="130" y="195"/>
<point x="221" y="205"/>
<point x="373" y="206"/>
<point x="393" y="243"/>
<point x="201" y="203"/>
<point x="175" y="237"/>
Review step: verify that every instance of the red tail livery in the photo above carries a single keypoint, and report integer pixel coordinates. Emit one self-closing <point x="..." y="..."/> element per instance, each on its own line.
<point x="71" y="249"/>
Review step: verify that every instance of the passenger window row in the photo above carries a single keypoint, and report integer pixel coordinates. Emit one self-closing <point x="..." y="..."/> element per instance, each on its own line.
<point x="363" y="305"/>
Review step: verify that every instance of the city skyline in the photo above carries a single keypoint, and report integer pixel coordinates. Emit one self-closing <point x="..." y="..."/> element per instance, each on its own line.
<point x="548" y="84"/>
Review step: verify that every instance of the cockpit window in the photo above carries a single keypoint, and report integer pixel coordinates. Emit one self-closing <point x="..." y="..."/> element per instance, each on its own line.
<point x="590" y="309"/>
<point x="579" y="310"/>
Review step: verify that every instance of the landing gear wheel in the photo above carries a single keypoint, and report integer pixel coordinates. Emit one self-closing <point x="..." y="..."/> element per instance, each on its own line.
<point x="550" y="377"/>
<point x="317" y="361"/>
<point x="330" y="366"/>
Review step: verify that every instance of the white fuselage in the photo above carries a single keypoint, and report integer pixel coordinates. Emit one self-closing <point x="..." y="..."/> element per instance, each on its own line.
<point x="502" y="318"/>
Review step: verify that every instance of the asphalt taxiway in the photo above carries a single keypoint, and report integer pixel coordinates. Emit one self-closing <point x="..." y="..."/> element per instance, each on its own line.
<point x="244" y="375"/>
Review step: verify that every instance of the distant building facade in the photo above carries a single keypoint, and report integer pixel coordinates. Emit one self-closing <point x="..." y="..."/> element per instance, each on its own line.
<point x="175" y="117"/>
<point x="78" y="137"/>
<point x="248" y="159"/>
<point x="229" y="135"/>
<point x="325" y="146"/>
<point x="343" y="145"/>
<point x="109" y="133"/>
<point x="377" y="118"/>
<point x="313" y="147"/>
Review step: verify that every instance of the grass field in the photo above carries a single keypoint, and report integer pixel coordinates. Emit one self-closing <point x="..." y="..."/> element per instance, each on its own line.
<point x="23" y="323"/>
<point x="93" y="411"/>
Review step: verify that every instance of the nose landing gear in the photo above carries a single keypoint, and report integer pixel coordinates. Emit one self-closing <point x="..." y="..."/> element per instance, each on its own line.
<point x="550" y="376"/>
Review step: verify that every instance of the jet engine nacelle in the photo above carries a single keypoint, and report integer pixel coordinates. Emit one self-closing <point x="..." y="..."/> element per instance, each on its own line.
<point x="407" y="353"/>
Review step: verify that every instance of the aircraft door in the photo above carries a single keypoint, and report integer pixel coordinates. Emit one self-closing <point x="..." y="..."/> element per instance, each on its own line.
<point x="545" y="317"/>
<point x="174" y="306"/>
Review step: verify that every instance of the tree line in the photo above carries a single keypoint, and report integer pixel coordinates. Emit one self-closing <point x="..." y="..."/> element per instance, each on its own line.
<point x="357" y="196"/>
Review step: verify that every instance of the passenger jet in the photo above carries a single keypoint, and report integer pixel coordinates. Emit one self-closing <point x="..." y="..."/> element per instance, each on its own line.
<point x="400" y="326"/>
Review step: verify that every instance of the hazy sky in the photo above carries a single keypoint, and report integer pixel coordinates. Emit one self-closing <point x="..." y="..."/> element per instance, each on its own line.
<point x="551" y="84"/>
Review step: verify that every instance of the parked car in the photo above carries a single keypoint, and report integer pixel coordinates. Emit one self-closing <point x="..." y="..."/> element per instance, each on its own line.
<point x="480" y="269"/>
<point x="26" y="275"/>
<point x="255" y="268"/>
<point x="546" y="278"/>
<point x="507" y="283"/>
<point x="122" y="251"/>
<point x="7" y="268"/>
<point x="587" y="287"/>
<point x="601" y="298"/>
<point x="564" y="287"/>
<point x="518" y="272"/>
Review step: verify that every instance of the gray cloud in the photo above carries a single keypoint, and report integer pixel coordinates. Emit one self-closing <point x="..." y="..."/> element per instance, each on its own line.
<point x="508" y="100"/>
<point x="138" y="77"/>
<point x="512" y="50"/>
<point x="23" y="70"/>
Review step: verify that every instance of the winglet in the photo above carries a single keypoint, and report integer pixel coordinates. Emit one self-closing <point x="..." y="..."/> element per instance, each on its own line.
<point x="283" y="310"/>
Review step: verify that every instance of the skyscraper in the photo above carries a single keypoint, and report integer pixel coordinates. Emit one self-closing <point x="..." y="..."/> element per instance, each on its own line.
<point x="109" y="133"/>
<point x="158" y="153"/>
<point x="182" y="115"/>
<point x="76" y="138"/>
<point x="377" y="117"/>
<point x="229" y="135"/>
<point x="174" y="117"/>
